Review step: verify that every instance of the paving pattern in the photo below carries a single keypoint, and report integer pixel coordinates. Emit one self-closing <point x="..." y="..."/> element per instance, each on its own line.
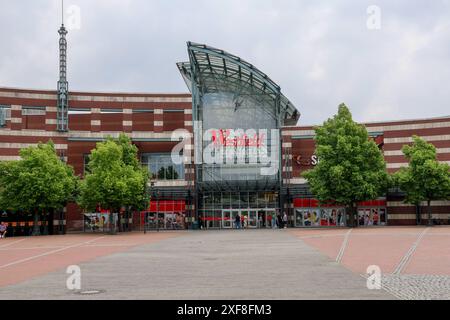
<point x="232" y="264"/>
<point x="417" y="287"/>
<point x="414" y="261"/>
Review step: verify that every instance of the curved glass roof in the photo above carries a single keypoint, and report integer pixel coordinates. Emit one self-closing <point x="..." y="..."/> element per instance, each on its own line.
<point x="213" y="70"/>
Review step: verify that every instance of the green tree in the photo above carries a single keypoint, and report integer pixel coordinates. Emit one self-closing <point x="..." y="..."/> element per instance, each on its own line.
<point x="351" y="167"/>
<point x="425" y="179"/>
<point x="38" y="182"/>
<point x="115" y="178"/>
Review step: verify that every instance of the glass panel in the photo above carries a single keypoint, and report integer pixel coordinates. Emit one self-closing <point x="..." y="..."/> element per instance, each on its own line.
<point x="252" y="199"/>
<point x="271" y="198"/>
<point x="244" y="200"/>
<point x="262" y="203"/>
<point x="235" y="200"/>
<point x="217" y="219"/>
<point x="161" y="166"/>
<point x="217" y="200"/>
<point x="208" y="197"/>
<point x="226" y="200"/>
<point x="227" y="219"/>
<point x="252" y="219"/>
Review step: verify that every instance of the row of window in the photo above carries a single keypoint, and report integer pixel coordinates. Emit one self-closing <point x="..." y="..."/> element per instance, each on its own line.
<point x="160" y="166"/>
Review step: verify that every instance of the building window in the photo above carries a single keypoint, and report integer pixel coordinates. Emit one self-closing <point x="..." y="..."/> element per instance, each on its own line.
<point x="85" y="163"/>
<point x="33" y="118"/>
<point x="33" y="111"/>
<point x="161" y="166"/>
<point x="5" y="114"/>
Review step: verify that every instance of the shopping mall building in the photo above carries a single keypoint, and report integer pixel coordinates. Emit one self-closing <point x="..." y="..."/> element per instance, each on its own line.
<point x="229" y="147"/>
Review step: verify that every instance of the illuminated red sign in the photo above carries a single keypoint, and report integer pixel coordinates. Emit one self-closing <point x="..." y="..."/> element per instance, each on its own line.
<point x="225" y="138"/>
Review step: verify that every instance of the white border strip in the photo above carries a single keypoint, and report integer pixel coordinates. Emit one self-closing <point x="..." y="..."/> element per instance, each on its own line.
<point x="407" y="257"/>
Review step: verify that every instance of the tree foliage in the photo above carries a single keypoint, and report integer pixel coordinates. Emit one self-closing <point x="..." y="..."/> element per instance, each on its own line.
<point x="351" y="167"/>
<point x="39" y="181"/>
<point x="115" y="178"/>
<point x="425" y="179"/>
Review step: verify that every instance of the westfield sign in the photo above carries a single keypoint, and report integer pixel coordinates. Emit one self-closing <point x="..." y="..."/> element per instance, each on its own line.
<point x="228" y="138"/>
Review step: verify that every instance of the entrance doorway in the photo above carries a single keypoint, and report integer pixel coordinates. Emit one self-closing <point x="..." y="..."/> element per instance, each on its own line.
<point x="252" y="218"/>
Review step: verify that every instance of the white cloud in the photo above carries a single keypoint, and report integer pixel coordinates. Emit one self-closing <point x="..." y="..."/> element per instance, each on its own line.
<point x="320" y="52"/>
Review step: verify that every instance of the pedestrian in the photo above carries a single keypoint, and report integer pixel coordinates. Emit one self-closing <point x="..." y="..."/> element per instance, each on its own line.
<point x="237" y="222"/>
<point x="285" y="220"/>
<point x="366" y="220"/>
<point x="243" y="221"/>
<point x="3" y="227"/>
<point x="274" y="223"/>
<point x="279" y="221"/>
<point x="375" y="218"/>
<point x="200" y="222"/>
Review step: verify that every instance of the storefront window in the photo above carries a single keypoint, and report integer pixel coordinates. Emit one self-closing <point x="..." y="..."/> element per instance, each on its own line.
<point x="319" y="217"/>
<point x="371" y="216"/>
<point x="262" y="201"/>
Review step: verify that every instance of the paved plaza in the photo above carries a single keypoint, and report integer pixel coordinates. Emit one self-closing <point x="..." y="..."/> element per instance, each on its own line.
<point x="231" y="264"/>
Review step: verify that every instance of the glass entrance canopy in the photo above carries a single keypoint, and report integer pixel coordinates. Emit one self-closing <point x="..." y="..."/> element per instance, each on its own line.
<point x="238" y="112"/>
<point x="212" y="70"/>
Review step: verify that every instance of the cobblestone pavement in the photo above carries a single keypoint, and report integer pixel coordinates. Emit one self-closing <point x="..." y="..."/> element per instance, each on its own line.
<point x="417" y="287"/>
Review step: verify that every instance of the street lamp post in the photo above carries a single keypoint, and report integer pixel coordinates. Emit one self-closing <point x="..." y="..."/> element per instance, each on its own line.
<point x="150" y="192"/>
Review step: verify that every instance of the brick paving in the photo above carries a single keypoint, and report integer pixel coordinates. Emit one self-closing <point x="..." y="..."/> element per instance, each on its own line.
<point x="230" y="265"/>
<point x="233" y="264"/>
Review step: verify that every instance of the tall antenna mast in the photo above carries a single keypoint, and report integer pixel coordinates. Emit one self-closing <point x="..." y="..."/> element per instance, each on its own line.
<point x="63" y="86"/>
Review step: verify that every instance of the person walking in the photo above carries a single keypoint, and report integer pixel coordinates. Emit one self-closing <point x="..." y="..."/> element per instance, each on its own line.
<point x="243" y="221"/>
<point x="200" y="222"/>
<point x="285" y="220"/>
<point x="375" y="218"/>
<point x="274" y="222"/>
<point x="237" y="222"/>
<point x="3" y="227"/>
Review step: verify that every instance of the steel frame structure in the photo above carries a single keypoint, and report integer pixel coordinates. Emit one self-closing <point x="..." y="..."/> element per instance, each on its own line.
<point x="212" y="70"/>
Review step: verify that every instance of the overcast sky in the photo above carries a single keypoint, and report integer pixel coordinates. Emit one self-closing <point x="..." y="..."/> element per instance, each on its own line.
<point x="321" y="53"/>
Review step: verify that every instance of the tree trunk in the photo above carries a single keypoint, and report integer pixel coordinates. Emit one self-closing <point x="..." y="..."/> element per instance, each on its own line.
<point x="112" y="225"/>
<point x="418" y="214"/>
<point x="36" y="229"/>
<point x="46" y="222"/>
<point x="351" y="214"/>
<point x="430" y="220"/>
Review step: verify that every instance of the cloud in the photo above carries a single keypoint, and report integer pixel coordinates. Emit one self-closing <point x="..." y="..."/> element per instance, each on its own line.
<point x="320" y="52"/>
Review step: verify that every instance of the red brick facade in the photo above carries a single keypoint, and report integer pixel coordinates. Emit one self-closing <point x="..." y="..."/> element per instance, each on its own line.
<point x="150" y="120"/>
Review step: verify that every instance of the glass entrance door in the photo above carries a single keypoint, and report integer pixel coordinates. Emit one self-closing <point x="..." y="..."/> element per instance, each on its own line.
<point x="235" y="213"/>
<point x="227" y="222"/>
<point x="252" y="219"/>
